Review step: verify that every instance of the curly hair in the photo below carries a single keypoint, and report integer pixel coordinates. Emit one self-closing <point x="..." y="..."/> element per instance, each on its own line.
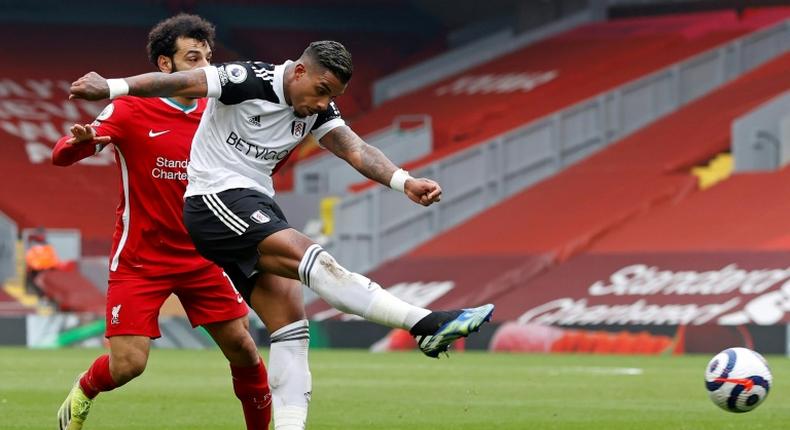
<point x="333" y="56"/>
<point x="162" y="38"/>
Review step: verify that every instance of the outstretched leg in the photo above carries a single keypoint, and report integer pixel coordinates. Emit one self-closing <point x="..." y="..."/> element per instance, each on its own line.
<point x="291" y="254"/>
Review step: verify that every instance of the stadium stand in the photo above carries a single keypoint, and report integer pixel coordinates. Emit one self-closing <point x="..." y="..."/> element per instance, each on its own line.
<point x="31" y="129"/>
<point x="651" y="165"/>
<point x="557" y="72"/>
<point x="493" y="256"/>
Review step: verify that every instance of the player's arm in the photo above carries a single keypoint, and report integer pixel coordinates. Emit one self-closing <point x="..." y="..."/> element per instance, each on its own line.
<point x="189" y="83"/>
<point x="87" y="140"/>
<point x="82" y="144"/>
<point x="371" y="162"/>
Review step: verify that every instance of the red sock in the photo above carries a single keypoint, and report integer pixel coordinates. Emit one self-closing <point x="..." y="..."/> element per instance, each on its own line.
<point x="97" y="378"/>
<point x="251" y="385"/>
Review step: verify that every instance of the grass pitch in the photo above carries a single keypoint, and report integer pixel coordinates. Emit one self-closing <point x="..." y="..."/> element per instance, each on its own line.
<point x="184" y="389"/>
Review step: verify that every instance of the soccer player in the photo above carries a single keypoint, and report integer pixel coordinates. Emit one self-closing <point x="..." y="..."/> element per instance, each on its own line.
<point x="257" y="113"/>
<point x="153" y="255"/>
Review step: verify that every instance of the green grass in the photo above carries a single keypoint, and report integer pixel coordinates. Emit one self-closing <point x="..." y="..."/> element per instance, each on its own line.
<point x="357" y="390"/>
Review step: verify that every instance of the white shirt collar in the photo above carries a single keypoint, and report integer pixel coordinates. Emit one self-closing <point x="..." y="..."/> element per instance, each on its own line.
<point x="279" y="81"/>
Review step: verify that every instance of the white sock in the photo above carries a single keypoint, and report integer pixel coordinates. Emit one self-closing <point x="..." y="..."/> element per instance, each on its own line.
<point x="289" y="376"/>
<point x="355" y="294"/>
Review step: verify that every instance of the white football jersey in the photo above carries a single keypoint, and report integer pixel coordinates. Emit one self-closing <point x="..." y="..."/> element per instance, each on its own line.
<point x="248" y="129"/>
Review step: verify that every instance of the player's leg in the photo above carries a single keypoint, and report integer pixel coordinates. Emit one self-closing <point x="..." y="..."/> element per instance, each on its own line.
<point x="279" y="303"/>
<point x="234" y="340"/>
<point x="249" y="375"/>
<point x="210" y="300"/>
<point x="247" y="228"/>
<point x="291" y="254"/>
<point x="126" y="360"/>
<point x="131" y="319"/>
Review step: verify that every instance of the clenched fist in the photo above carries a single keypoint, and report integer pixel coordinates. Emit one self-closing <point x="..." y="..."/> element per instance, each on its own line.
<point x="90" y="87"/>
<point x="423" y="191"/>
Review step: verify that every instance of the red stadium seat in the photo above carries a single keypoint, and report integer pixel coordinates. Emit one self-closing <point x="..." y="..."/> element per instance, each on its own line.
<point x="71" y="291"/>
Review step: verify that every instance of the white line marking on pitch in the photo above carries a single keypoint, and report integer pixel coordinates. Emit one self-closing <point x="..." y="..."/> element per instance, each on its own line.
<point x="624" y="371"/>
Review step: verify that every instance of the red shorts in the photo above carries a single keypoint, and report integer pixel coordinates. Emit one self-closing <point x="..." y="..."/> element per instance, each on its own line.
<point x="133" y="302"/>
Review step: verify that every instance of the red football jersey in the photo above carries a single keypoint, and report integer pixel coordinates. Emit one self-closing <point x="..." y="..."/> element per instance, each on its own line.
<point x="152" y="138"/>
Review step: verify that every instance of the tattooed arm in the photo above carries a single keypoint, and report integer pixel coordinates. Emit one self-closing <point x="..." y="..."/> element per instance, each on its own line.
<point x="190" y="83"/>
<point x="366" y="159"/>
<point x="371" y="162"/>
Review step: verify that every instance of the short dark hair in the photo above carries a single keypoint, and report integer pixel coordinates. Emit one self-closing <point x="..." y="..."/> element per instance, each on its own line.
<point x="332" y="55"/>
<point x="162" y="38"/>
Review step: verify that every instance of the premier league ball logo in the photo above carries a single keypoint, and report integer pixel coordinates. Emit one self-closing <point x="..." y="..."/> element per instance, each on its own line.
<point x="236" y="73"/>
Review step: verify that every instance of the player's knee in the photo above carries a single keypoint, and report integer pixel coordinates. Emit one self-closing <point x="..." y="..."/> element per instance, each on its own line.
<point x="248" y="348"/>
<point x="242" y="348"/>
<point x="130" y="365"/>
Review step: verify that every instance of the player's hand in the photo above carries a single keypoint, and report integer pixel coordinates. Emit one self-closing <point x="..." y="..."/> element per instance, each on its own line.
<point x="423" y="191"/>
<point x="90" y="87"/>
<point x="86" y="133"/>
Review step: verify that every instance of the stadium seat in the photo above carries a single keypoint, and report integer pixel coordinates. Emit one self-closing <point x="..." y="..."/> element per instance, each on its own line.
<point x="71" y="291"/>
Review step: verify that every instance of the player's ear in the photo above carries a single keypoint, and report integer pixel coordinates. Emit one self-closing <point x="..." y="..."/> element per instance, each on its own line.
<point x="165" y="64"/>
<point x="299" y="71"/>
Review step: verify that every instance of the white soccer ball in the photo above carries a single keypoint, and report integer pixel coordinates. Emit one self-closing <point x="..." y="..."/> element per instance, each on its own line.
<point x="738" y="379"/>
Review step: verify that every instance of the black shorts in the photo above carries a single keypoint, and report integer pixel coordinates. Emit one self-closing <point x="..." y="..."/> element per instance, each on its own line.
<point x="228" y="226"/>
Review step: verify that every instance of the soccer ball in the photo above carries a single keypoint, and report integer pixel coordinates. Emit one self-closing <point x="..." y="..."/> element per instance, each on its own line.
<point x="738" y="379"/>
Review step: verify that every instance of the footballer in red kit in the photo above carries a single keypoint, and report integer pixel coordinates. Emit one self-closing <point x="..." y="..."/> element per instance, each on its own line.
<point x="152" y="139"/>
<point x="152" y="255"/>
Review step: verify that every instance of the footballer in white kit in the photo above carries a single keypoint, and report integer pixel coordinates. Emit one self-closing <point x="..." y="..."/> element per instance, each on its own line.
<point x="257" y="115"/>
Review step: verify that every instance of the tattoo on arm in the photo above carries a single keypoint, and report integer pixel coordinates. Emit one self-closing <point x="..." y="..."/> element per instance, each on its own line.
<point x="366" y="159"/>
<point x="190" y="83"/>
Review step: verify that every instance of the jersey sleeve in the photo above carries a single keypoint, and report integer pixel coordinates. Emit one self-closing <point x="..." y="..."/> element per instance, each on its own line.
<point x="114" y="119"/>
<point x="233" y="83"/>
<point x="108" y="123"/>
<point x="64" y="154"/>
<point x="327" y="120"/>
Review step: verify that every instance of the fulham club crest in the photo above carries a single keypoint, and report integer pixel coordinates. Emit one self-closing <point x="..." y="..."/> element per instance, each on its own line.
<point x="260" y="217"/>
<point x="298" y="128"/>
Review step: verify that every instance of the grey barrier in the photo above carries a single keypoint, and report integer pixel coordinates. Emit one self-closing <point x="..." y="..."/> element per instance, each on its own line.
<point x="8" y="238"/>
<point x="761" y="138"/>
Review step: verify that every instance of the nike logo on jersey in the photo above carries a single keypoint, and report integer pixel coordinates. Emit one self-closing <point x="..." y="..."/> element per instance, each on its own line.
<point x="151" y="133"/>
